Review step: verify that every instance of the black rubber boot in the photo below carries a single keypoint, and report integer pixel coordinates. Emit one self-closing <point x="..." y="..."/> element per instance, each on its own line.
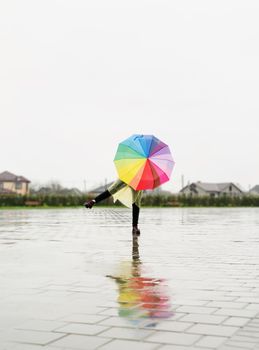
<point x="135" y="231"/>
<point x="89" y="204"/>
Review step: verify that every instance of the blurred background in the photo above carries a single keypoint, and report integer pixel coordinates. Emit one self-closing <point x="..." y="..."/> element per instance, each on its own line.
<point x="77" y="77"/>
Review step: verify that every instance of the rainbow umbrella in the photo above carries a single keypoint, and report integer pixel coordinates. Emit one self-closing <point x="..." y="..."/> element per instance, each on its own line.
<point x="143" y="162"/>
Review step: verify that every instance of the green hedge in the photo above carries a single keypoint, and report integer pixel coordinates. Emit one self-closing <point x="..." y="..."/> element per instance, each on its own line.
<point x="151" y="200"/>
<point x="41" y="200"/>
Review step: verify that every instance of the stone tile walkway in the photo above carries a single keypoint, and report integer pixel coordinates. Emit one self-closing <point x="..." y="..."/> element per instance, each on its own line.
<point x="75" y="279"/>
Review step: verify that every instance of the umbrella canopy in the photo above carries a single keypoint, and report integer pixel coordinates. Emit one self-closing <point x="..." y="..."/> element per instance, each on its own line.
<point x="143" y="162"/>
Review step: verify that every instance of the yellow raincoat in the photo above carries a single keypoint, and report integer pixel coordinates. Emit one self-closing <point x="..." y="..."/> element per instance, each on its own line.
<point x="125" y="194"/>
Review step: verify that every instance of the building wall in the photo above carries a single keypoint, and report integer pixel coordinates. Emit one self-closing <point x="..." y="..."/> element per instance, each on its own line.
<point x="231" y="190"/>
<point x="200" y="191"/>
<point x="23" y="189"/>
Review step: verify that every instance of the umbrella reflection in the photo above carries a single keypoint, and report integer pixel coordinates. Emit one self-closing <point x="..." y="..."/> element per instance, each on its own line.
<point x="142" y="300"/>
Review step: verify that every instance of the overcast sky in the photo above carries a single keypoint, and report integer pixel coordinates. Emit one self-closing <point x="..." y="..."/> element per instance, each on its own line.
<point x="77" y="77"/>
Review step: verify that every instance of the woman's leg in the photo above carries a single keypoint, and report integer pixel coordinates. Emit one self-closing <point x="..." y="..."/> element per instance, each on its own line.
<point x="101" y="197"/>
<point x="135" y="217"/>
<point x="106" y="194"/>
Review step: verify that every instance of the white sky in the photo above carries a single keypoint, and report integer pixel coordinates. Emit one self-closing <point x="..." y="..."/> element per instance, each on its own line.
<point x="77" y="77"/>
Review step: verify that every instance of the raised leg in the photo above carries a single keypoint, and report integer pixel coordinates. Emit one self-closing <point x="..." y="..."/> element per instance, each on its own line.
<point x="106" y="194"/>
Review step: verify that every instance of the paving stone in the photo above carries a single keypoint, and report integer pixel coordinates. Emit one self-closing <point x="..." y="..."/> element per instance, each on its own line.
<point x="213" y="330"/>
<point x="235" y="289"/>
<point x="252" y="306"/>
<point x="33" y="337"/>
<point x="236" y="321"/>
<point x="119" y="322"/>
<point x="190" y="302"/>
<point x="248" y="300"/>
<point x="236" y="312"/>
<point x="251" y="329"/>
<point x="211" y="341"/>
<point x="24" y="347"/>
<point x="251" y="300"/>
<point x="245" y="339"/>
<point x="40" y="325"/>
<point x="79" y="342"/>
<point x="81" y="328"/>
<point x="84" y="318"/>
<point x="242" y="294"/>
<point x="126" y="333"/>
<point x="255" y="320"/>
<point x="175" y="326"/>
<point x="250" y="335"/>
<point x="226" y="304"/>
<point x="179" y="347"/>
<point x="241" y="345"/>
<point x="178" y="315"/>
<point x="174" y="338"/>
<point x="201" y="318"/>
<point x="196" y="309"/>
<point x="110" y="312"/>
<point x="127" y="344"/>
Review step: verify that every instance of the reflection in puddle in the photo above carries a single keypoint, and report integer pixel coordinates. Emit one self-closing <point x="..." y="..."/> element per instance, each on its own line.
<point x="142" y="300"/>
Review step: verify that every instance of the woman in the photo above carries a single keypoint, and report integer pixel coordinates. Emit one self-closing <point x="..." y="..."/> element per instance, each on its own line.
<point x="127" y="196"/>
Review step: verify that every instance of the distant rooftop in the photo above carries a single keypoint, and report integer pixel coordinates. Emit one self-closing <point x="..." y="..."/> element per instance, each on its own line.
<point x="255" y="189"/>
<point x="213" y="186"/>
<point x="10" y="177"/>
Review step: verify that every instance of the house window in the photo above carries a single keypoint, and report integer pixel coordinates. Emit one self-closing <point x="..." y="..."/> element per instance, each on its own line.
<point x="18" y="185"/>
<point x="230" y="188"/>
<point x="1" y="185"/>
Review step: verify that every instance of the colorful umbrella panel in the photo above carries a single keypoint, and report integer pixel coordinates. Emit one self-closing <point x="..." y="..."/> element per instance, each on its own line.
<point x="143" y="162"/>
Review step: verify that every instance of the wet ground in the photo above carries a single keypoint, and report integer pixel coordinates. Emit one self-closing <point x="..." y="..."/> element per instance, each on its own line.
<point x="75" y="279"/>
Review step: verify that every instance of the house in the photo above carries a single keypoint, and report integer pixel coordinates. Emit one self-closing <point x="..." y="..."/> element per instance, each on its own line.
<point x="13" y="184"/>
<point x="254" y="190"/>
<point x="212" y="189"/>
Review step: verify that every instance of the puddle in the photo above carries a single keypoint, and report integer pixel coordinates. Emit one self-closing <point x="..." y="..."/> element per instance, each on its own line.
<point x="142" y="300"/>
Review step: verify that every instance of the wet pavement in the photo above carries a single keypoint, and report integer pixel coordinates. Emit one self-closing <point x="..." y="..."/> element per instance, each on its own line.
<point x="75" y="279"/>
